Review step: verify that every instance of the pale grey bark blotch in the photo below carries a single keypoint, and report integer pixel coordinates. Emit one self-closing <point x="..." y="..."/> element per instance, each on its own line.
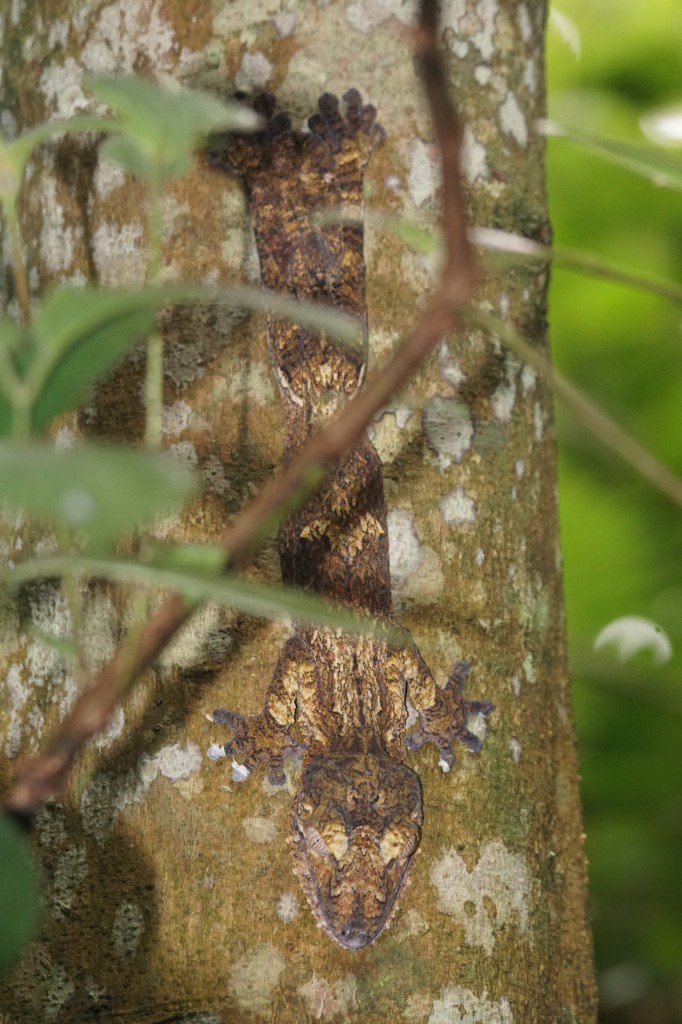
<point x="287" y="907"/>
<point x="119" y="254"/>
<point x="185" y="453"/>
<point x="174" y="761"/>
<point x="503" y="399"/>
<point x="405" y="550"/>
<point x="512" y="120"/>
<point x="127" y="930"/>
<point x="70" y="871"/>
<point x="97" y="806"/>
<point x="425" y="176"/>
<point x="113" y="729"/>
<point x="329" y="999"/>
<point x="254" y="72"/>
<point x="57" y="987"/>
<point x="500" y="876"/>
<point x="474" y="159"/>
<point x="255" y="975"/>
<point x="449" y="429"/>
<point x="285" y="23"/>
<point x="459" y="1005"/>
<point x="457" y="508"/>
<point x="259" y="829"/>
<point x="19" y="693"/>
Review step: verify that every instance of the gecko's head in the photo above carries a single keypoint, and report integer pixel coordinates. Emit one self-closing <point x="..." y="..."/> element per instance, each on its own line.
<point x="356" y="824"/>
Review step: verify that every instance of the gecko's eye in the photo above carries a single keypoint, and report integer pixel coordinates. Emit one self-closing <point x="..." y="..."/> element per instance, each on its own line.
<point x="397" y="842"/>
<point x="333" y="843"/>
<point x="315" y="841"/>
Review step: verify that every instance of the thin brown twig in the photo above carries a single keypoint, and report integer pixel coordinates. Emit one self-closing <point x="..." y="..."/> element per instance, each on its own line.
<point x="43" y="775"/>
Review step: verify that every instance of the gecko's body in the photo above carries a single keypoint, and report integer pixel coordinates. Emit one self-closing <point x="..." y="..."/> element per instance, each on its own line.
<point x="357" y="814"/>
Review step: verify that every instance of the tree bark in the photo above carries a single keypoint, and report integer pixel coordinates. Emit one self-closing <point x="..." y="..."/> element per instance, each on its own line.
<point x="169" y="889"/>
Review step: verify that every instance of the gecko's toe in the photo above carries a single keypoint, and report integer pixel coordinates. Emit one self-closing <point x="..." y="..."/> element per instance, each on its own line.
<point x="353" y="100"/>
<point x="472" y="743"/>
<point x="276" y="775"/>
<point x="329" y="107"/>
<point x="264" y="103"/>
<point x="220" y="716"/>
<point x="416" y="739"/>
<point x="216" y="751"/>
<point x="280" y="124"/>
<point x="240" y="772"/>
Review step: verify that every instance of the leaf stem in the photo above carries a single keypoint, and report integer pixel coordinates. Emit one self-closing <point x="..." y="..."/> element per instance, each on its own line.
<point x="154" y="392"/>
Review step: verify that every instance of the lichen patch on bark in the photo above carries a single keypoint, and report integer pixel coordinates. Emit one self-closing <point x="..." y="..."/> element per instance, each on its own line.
<point x="459" y="1005"/>
<point x="499" y="876"/>
<point x="255" y="975"/>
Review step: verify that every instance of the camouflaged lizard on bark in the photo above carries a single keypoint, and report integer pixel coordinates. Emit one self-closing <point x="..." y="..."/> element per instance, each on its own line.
<point x="357" y="814"/>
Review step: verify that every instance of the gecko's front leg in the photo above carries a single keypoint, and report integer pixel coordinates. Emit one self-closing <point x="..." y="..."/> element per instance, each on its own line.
<point x="443" y="713"/>
<point x="265" y="738"/>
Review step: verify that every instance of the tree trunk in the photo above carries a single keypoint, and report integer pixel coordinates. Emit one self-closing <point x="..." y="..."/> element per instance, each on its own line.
<point x="169" y="889"/>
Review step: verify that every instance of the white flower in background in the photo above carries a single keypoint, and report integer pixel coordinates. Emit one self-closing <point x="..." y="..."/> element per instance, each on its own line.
<point x="632" y="634"/>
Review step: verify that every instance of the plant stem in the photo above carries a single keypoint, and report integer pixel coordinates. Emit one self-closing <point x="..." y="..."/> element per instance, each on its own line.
<point x="18" y="265"/>
<point x="154" y="371"/>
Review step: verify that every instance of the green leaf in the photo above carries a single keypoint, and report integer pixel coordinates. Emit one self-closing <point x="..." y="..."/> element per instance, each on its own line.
<point x="416" y="238"/>
<point x="10" y="333"/>
<point x="165" y="126"/>
<point x="79" y="335"/>
<point x="100" y="492"/>
<point x="19" y="893"/>
<point x="658" y="165"/>
<point x="254" y="598"/>
<point x="343" y="327"/>
<point x="129" y="156"/>
<point x="202" y="559"/>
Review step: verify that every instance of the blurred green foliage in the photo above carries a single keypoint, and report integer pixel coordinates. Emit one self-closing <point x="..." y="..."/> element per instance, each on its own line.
<point x="19" y="893"/>
<point x="621" y="541"/>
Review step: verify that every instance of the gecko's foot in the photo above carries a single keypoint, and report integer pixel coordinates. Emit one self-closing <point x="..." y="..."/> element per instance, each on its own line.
<point x="446" y="720"/>
<point x="260" y="740"/>
<point x="343" y="138"/>
<point x="352" y="134"/>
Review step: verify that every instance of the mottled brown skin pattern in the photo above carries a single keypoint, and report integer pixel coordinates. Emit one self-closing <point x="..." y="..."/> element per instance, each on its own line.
<point x="357" y="814"/>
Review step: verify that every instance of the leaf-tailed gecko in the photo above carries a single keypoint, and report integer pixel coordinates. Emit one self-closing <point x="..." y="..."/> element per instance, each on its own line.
<point x="357" y="814"/>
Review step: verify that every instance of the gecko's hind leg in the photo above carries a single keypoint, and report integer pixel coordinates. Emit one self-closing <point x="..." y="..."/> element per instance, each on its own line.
<point x="265" y="738"/>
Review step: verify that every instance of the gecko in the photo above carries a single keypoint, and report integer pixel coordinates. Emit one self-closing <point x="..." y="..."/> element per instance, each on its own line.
<point x="357" y="815"/>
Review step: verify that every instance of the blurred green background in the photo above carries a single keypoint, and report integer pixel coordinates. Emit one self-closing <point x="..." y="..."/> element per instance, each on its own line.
<point x="609" y="63"/>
